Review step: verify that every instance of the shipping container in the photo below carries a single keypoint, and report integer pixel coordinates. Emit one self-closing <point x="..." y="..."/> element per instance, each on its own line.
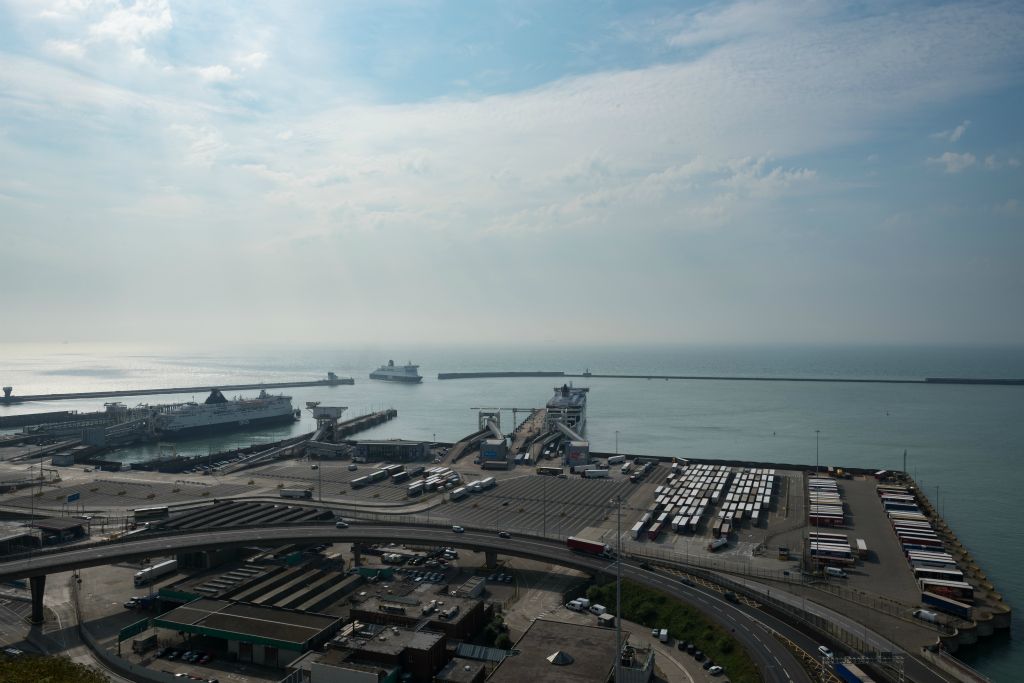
<point x="945" y="604"/>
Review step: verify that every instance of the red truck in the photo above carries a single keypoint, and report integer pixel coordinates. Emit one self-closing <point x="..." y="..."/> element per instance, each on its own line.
<point x="591" y="547"/>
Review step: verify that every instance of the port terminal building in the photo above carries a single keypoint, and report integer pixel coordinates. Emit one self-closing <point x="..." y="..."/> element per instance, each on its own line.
<point x="268" y="636"/>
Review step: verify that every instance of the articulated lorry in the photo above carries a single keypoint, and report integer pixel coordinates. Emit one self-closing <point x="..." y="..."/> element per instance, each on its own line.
<point x="592" y="547"/>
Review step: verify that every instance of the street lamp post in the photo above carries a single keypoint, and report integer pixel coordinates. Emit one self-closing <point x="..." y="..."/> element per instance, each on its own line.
<point x="816" y="433"/>
<point x="618" y="589"/>
<point x="616" y="442"/>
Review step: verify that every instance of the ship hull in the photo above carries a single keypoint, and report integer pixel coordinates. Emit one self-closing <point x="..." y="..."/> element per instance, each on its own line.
<point x="240" y="424"/>
<point x="403" y="380"/>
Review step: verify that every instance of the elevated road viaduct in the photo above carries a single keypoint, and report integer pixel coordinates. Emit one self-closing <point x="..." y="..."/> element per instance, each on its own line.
<point x="751" y="627"/>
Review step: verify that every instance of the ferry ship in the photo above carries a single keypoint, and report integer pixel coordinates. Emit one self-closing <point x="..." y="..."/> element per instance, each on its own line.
<point x="568" y="406"/>
<point x="397" y="373"/>
<point x="217" y="413"/>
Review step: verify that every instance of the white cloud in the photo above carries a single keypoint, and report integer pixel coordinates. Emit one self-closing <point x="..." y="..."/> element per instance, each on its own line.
<point x="992" y="162"/>
<point x="217" y="73"/>
<point x="132" y="24"/>
<point x="253" y="60"/>
<point x="65" y="48"/>
<point x="954" y="134"/>
<point x="203" y="144"/>
<point x="954" y="162"/>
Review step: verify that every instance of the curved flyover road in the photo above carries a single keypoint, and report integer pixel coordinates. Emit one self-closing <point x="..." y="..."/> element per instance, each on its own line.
<point x="776" y="663"/>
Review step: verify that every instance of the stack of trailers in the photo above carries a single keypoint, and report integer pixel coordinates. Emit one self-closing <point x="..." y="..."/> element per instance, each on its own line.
<point x="749" y="498"/>
<point x="939" y="577"/>
<point x="826" y="504"/>
<point x="689" y="494"/>
<point x="830" y="548"/>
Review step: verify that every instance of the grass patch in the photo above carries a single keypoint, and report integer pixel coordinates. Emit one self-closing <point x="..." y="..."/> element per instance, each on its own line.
<point x="655" y="609"/>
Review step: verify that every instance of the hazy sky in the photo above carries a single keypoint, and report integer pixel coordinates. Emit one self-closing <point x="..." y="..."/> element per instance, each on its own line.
<point x="518" y="171"/>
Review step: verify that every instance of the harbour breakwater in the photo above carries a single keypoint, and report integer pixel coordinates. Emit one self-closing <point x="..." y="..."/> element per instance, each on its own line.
<point x="739" y="378"/>
<point x="331" y="381"/>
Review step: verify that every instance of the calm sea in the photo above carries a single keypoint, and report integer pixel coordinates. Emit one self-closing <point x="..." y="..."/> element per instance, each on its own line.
<point x="964" y="444"/>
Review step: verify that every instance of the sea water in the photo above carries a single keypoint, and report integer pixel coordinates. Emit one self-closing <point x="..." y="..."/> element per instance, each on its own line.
<point x="964" y="443"/>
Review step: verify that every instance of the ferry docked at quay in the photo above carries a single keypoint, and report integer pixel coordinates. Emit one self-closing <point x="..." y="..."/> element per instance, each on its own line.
<point x="407" y="373"/>
<point x="217" y="413"/>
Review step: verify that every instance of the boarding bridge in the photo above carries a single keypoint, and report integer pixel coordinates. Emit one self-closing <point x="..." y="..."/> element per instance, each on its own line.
<point x="572" y="436"/>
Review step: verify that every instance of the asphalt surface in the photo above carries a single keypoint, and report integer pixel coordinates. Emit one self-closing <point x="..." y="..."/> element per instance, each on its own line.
<point x="777" y="664"/>
<point x="753" y="628"/>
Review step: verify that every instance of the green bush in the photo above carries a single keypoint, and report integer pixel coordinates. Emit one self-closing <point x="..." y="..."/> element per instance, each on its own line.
<point x="653" y="608"/>
<point x="30" y="669"/>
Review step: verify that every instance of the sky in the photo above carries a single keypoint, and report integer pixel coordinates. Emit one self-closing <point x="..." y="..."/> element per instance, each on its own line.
<point x="778" y="171"/>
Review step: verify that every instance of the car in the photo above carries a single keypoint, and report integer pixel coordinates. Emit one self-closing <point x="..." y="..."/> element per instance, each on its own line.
<point x="825" y="652"/>
<point x="698" y="655"/>
<point x="314" y="467"/>
<point x="655" y="632"/>
<point x="681" y="646"/>
<point x="492" y="577"/>
<point x="353" y="467"/>
<point x="131" y="604"/>
<point x="13" y="652"/>
<point x="504" y="534"/>
<point x="685" y="581"/>
<point x="508" y="578"/>
<point x="647" y="566"/>
<point x="730" y="596"/>
<point x="707" y="665"/>
<point x="715" y="670"/>
<point x="457" y="529"/>
<point x="174" y="654"/>
<point x="341" y="524"/>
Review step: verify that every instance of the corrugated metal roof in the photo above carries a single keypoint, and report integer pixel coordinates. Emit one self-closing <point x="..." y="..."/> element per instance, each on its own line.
<point x="481" y="653"/>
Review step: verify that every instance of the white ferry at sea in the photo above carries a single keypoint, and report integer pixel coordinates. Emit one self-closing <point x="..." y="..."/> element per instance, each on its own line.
<point x="220" y="414"/>
<point x="397" y="373"/>
<point x="568" y="406"/>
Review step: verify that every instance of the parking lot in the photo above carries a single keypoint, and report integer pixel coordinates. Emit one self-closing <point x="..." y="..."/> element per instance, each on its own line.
<point x="538" y="503"/>
<point x="104" y="494"/>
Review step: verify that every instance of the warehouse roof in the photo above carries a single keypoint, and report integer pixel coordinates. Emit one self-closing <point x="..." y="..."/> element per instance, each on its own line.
<point x="283" y="628"/>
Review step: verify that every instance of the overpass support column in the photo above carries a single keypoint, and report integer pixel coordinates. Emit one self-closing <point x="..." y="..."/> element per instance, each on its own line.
<point x="38" y="586"/>
<point x="357" y="558"/>
<point x="490" y="558"/>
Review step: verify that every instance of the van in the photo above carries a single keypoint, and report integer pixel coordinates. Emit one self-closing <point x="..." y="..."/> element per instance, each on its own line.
<point x="574" y="605"/>
<point x="663" y="635"/>
<point x="584" y="603"/>
<point x="835" y="571"/>
<point x="598" y="609"/>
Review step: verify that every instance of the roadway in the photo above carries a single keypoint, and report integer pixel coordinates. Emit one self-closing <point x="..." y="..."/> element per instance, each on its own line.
<point x="776" y="663"/>
<point x="752" y="627"/>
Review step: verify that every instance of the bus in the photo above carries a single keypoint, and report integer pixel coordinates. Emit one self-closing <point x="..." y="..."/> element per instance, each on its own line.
<point x="458" y="494"/>
<point x="160" y="512"/>
<point x="552" y="471"/>
<point x="416" y="489"/>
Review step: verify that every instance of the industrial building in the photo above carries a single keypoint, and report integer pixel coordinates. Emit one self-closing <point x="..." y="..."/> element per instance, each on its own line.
<point x="371" y="653"/>
<point x="458" y="618"/>
<point x="494" y="454"/>
<point x="568" y="653"/>
<point x="269" y="636"/>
